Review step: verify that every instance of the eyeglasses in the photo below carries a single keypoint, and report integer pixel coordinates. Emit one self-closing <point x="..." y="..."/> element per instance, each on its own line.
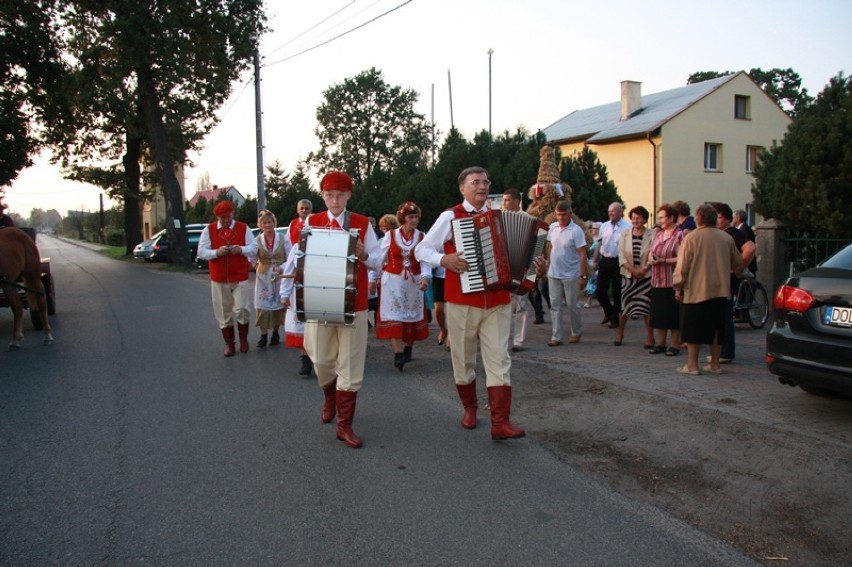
<point x="483" y="182"/>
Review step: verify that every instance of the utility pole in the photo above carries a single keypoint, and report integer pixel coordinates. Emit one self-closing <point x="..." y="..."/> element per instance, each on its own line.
<point x="450" y="85"/>
<point x="258" y="126"/>
<point x="490" y="53"/>
<point x="433" y="123"/>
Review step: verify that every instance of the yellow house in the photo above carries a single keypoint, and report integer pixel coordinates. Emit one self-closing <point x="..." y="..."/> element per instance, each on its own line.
<point x="695" y="143"/>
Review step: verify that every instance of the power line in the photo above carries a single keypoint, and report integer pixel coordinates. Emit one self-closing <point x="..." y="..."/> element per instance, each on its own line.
<point x="394" y="9"/>
<point x="339" y="24"/>
<point x="315" y="26"/>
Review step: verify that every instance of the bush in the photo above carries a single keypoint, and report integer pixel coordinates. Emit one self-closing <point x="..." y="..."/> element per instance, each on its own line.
<point x="115" y="237"/>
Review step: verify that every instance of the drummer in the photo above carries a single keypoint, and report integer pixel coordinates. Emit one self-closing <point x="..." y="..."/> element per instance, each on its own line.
<point x="337" y="351"/>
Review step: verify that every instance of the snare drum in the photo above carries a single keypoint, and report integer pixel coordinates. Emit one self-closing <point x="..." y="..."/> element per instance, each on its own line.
<point x="325" y="276"/>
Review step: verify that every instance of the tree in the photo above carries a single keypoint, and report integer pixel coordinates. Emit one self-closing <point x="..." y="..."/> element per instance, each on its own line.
<point x="593" y="190"/>
<point x="31" y="77"/>
<point x="366" y="126"/>
<point x="806" y="181"/>
<point x="783" y="85"/>
<point x="149" y="76"/>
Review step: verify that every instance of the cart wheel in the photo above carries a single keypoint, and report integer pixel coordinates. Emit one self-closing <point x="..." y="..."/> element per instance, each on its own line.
<point x="49" y="293"/>
<point x="758" y="311"/>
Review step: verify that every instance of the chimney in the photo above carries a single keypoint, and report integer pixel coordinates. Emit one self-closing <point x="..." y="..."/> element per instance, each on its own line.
<point x="631" y="98"/>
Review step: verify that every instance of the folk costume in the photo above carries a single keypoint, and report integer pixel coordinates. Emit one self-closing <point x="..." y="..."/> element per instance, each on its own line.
<point x="294" y="330"/>
<point x="339" y="352"/>
<point x="269" y="313"/>
<point x="402" y="311"/>
<point x="229" y="274"/>
<point x="480" y="317"/>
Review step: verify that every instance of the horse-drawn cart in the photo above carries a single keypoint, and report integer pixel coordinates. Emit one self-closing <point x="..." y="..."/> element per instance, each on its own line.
<point x="49" y="292"/>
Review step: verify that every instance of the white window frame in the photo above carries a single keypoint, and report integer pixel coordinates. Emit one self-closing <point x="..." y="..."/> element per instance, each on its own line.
<point x="712" y="157"/>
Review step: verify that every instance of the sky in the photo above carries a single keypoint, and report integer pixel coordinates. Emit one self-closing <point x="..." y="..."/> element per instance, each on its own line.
<point x="548" y="58"/>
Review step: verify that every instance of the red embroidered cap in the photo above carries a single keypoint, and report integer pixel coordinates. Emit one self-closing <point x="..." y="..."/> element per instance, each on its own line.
<point x="223" y="208"/>
<point x="336" y="181"/>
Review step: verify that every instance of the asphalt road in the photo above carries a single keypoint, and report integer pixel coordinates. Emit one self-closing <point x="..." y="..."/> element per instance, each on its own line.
<point x="132" y="440"/>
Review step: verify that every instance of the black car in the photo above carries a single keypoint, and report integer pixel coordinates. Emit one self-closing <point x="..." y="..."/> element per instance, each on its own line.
<point x="810" y="341"/>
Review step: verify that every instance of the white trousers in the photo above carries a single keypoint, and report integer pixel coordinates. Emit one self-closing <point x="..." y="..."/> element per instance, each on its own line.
<point x="231" y="301"/>
<point x="519" y="319"/>
<point x="469" y="326"/>
<point x="338" y="351"/>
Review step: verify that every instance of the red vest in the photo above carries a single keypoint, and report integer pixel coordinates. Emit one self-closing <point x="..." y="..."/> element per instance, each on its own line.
<point x="295" y="230"/>
<point x="230" y="268"/>
<point x="395" y="260"/>
<point x="452" y="281"/>
<point x="362" y="223"/>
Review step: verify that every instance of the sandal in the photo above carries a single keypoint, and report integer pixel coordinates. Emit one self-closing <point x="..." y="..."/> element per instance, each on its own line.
<point x="672" y="351"/>
<point x="685" y="370"/>
<point x="657" y="350"/>
<point x="709" y="369"/>
<point x="649" y="347"/>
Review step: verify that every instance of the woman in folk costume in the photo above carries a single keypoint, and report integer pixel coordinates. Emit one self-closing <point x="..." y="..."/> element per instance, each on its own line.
<point x="402" y="315"/>
<point x="272" y="251"/>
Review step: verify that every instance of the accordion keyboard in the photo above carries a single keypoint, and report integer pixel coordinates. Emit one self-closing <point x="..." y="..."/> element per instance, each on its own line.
<point x="478" y="249"/>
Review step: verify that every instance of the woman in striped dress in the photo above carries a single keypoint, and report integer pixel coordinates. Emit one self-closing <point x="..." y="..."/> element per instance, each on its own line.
<point x="633" y="249"/>
<point x="665" y="311"/>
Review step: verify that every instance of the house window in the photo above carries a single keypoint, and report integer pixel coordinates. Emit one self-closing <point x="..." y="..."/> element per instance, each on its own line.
<point x="742" y="107"/>
<point x="751" y="157"/>
<point x="712" y="157"/>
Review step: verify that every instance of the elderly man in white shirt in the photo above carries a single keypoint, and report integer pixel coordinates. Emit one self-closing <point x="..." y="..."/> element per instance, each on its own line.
<point x="606" y="262"/>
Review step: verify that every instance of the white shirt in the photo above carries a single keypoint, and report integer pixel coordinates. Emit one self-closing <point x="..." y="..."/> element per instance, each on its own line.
<point x="609" y="236"/>
<point x="431" y="248"/>
<point x="565" y="244"/>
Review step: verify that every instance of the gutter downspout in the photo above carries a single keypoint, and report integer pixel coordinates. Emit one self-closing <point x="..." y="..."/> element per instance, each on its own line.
<point x="654" y="167"/>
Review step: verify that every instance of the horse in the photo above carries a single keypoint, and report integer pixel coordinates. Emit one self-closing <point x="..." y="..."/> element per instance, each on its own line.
<point x="20" y="260"/>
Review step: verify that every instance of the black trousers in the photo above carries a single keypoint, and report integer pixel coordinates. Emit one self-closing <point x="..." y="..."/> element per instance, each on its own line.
<point x="609" y="276"/>
<point x="535" y="298"/>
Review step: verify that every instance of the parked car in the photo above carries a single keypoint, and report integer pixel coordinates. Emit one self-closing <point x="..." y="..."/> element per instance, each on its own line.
<point x="810" y="342"/>
<point x="156" y="248"/>
<point x="282" y="230"/>
<point x="145" y="249"/>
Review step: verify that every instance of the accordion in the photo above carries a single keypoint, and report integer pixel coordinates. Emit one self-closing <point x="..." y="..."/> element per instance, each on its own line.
<point x="499" y="247"/>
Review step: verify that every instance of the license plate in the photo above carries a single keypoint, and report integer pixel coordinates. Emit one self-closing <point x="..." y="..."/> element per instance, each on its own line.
<point x="838" y="316"/>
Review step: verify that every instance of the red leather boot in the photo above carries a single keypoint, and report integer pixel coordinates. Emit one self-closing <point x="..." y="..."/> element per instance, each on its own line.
<point x="330" y="404"/>
<point x="243" y="328"/>
<point x="467" y="393"/>
<point x="228" y="335"/>
<point x="500" y="398"/>
<point x="345" y="413"/>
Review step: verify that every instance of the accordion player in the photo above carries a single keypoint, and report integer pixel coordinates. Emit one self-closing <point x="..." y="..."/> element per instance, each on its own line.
<point x="499" y="247"/>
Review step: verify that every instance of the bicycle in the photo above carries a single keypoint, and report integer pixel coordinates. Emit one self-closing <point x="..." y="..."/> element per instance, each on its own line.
<point x="752" y="303"/>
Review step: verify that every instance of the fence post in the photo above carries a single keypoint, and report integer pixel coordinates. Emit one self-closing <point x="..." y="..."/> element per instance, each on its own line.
<point x="771" y="246"/>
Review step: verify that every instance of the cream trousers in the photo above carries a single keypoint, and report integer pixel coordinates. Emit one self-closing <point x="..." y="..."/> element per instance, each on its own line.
<point x="338" y="351"/>
<point x="468" y="326"/>
<point x="230" y="301"/>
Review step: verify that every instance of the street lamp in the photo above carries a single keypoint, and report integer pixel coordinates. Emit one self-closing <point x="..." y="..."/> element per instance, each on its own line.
<point x="490" y="53"/>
